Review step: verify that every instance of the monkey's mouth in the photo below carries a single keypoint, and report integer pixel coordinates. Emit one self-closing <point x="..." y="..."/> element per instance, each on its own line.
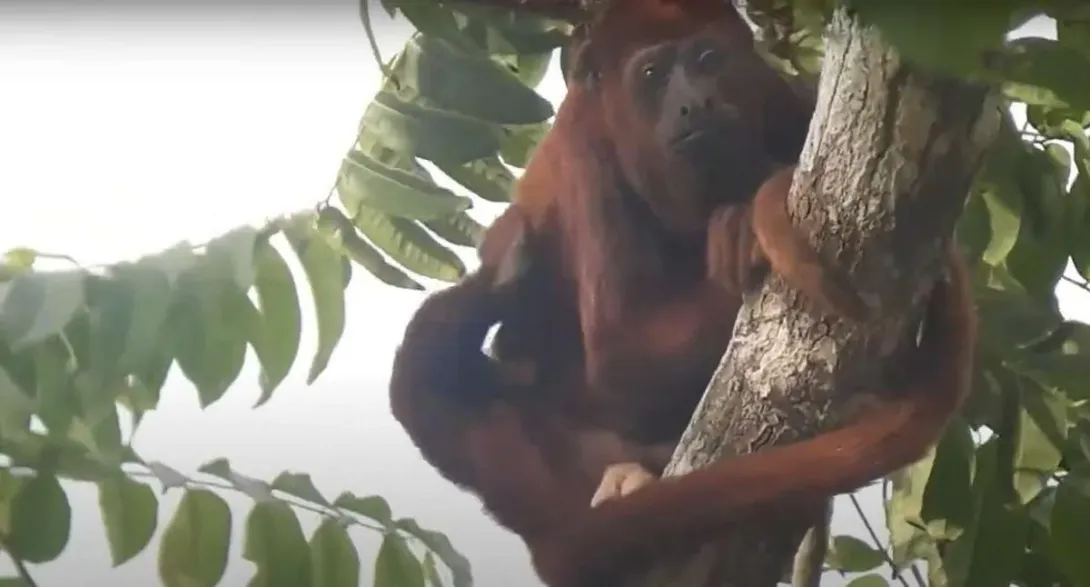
<point x="711" y="137"/>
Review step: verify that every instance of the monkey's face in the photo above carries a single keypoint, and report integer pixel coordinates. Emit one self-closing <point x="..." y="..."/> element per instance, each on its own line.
<point x="698" y="120"/>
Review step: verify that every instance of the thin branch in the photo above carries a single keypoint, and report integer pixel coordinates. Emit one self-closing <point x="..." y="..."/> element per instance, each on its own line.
<point x="1075" y="282"/>
<point x="877" y="543"/>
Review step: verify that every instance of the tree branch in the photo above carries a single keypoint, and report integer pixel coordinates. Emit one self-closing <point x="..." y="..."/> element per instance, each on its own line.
<point x="881" y="183"/>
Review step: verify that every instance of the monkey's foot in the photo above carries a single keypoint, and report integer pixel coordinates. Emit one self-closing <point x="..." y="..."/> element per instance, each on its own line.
<point x="621" y="479"/>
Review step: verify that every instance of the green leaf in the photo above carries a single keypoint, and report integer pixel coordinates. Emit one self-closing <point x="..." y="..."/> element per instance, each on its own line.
<point x="361" y="252"/>
<point x="322" y="265"/>
<point x="20" y="259"/>
<point x="1079" y="232"/>
<point x="395" y="564"/>
<point x="1040" y="70"/>
<point x="486" y="177"/>
<point x="34" y="306"/>
<point x="194" y="547"/>
<point x="55" y="394"/>
<point x="300" y="485"/>
<point x="109" y="313"/>
<point x="334" y="560"/>
<point x="948" y="37"/>
<point x="208" y="322"/>
<point x="372" y="506"/>
<point x="471" y="84"/>
<point x="410" y="245"/>
<point x="99" y="429"/>
<point x="1039" y="442"/>
<point x="531" y="68"/>
<point x="871" y="580"/>
<point x="989" y="552"/>
<point x="1024" y="319"/>
<point x="1070" y="532"/>
<point x="852" y="555"/>
<point x="973" y="230"/>
<point x="520" y="142"/>
<point x="41" y="519"/>
<point x="438" y="543"/>
<point x="946" y="508"/>
<point x="281" y="320"/>
<point x="1004" y="204"/>
<point x="130" y="513"/>
<point x="428" y="132"/>
<point x="366" y="181"/>
<point x="275" y="543"/>
<point x="234" y="251"/>
<point x="459" y="229"/>
<point x="431" y="570"/>
<point x="149" y="296"/>
<point x="16" y="406"/>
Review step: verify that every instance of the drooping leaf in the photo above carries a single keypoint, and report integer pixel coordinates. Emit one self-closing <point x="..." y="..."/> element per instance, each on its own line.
<point x="1070" y="532"/>
<point x="852" y="555"/>
<point x="395" y="564"/>
<point x="281" y="320"/>
<point x="360" y="251"/>
<point x="367" y="181"/>
<point x="322" y="265"/>
<point x="275" y="543"/>
<point x="469" y="83"/>
<point x="234" y="251"/>
<point x="486" y="177"/>
<point x="194" y="548"/>
<point x="36" y="305"/>
<point x="40" y="519"/>
<point x="208" y="326"/>
<point x="410" y="245"/>
<point x="333" y="557"/>
<point x="438" y="543"/>
<point x="989" y="551"/>
<point x="130" y="513"/>
<point x="427" y="131"/>
<point x="460" y="229"/>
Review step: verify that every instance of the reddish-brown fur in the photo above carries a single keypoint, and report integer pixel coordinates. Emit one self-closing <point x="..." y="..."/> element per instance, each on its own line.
<point x="638" y="273"/>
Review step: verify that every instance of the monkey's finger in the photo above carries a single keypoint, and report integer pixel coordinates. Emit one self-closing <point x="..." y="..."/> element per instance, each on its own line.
<point x="620" y="480"/>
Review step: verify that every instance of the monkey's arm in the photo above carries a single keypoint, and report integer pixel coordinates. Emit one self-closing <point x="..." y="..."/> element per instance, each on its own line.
<point x="803" y="474"/>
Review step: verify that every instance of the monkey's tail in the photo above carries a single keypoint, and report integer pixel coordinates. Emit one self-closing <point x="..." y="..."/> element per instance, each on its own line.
<point x="707" y="500"/>
<point x="439" y="367"/>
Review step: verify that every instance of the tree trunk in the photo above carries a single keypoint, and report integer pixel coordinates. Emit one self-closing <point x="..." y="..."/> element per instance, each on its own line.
<point x="882" y="180"/>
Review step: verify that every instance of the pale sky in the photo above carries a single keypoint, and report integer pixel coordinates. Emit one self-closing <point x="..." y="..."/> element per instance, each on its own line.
<point x="123" y="133"/>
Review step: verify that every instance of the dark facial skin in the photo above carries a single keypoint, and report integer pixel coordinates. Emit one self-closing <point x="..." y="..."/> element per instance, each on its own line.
<point x="713" y="140"/>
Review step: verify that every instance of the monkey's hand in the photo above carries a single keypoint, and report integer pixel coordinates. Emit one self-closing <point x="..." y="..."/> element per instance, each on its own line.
<point x="621" y="479"/>
<point x="733" y="256"/>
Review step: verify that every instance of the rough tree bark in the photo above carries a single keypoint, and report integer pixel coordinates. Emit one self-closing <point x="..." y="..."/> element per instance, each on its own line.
<point x="888" y="164"/>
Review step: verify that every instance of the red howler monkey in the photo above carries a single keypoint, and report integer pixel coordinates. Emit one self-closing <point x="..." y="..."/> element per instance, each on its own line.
<point x="618" y="197"/>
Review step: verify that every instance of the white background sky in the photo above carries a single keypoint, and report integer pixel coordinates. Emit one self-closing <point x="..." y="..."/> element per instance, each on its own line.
<point x="122" y="133"/>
